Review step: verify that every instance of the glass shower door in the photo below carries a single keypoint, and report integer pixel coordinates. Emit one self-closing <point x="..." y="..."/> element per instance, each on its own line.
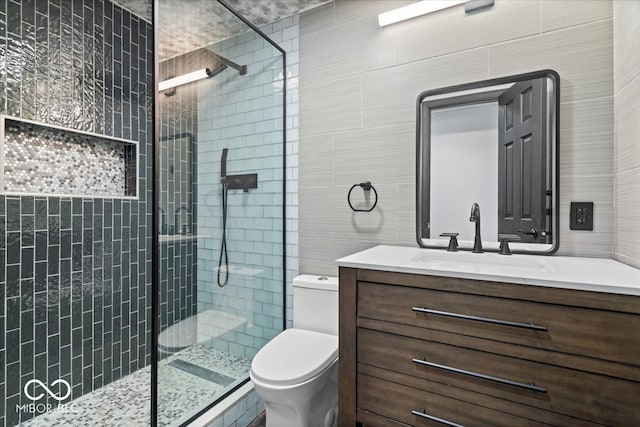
<point x="221" y="194"/>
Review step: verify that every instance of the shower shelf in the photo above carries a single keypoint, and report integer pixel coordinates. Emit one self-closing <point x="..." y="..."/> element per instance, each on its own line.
<point x="170" y="238"/>
<point x="39" y="158"/>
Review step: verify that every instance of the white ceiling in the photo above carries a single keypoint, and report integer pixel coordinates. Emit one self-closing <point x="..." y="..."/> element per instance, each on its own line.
<point x="186" y="25"/>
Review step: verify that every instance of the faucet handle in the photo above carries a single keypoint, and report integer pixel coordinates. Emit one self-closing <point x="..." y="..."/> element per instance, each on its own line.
<point x="504" y="242"/>
<point x="453" y="241"/>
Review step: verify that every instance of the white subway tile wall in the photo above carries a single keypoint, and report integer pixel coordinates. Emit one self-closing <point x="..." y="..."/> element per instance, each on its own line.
<point x="250" y="406"/>
<point x="244" y="114"/>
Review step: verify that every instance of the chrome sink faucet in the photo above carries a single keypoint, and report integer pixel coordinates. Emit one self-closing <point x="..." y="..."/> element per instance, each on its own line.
<point x="475" y="217"/>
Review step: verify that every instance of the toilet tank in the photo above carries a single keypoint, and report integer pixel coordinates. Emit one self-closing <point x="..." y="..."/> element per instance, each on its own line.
<point x="315" y="303"/>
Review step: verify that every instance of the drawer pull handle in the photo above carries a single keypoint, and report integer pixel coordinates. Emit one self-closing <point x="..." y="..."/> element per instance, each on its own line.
<point x="436" y="419"/>
<point x="480" y="319"/>
<point x="529" y="387"/>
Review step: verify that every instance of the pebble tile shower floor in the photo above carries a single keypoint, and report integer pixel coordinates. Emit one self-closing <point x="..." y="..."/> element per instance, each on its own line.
<point x="125" y="403"/>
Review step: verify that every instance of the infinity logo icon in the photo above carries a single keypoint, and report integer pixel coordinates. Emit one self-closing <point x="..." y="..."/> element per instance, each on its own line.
<point x="47" y="389"/>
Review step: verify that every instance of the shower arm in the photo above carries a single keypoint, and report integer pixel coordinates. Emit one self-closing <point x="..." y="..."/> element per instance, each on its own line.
<point x="242" y="69"/>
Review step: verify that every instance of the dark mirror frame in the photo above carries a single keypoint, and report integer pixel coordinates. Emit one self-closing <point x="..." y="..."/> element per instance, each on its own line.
<point x="423" y="152"/>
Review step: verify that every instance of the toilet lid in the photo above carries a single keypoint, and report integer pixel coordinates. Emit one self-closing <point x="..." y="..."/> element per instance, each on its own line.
<point x="294" y="356"/>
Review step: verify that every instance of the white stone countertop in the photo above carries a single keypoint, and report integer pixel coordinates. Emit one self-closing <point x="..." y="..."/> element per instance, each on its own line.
<point x="588" y="274"/>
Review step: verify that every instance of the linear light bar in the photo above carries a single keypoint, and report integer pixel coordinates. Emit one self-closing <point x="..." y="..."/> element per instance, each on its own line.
<point x="184" y="79"/>
<point x="416" y="9"/>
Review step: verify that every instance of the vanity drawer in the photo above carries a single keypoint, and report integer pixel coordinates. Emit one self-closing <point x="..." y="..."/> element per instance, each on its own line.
<point x="416" y="407"/>
<point x="587" y="332"/>
<point x="496" y="378"/>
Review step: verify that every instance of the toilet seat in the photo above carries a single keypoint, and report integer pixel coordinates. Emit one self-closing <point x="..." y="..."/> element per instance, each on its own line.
<point x="294" y="356"/>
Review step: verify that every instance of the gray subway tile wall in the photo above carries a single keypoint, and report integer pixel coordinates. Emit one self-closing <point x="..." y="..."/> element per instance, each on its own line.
<point x="75" y="273"/>
<point x="77" y="310"/>
<point x="178" y="198"/>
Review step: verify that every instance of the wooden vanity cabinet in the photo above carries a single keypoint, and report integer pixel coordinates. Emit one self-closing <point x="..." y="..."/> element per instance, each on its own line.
<point x="427" y="350"/>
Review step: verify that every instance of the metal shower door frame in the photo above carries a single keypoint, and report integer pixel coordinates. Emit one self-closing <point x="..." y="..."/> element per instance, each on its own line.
<point x="155" y="261"/>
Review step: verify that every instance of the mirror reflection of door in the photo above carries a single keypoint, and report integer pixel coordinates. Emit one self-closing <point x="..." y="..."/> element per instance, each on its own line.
<point x="458" y="181"/>
<point x="521" y="176"/>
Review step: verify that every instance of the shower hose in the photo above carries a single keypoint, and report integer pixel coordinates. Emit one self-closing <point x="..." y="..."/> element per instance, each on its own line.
<point x="224" y="258"/>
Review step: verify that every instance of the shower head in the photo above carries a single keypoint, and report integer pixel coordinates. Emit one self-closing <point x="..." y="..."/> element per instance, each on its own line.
<point x="217" y="68"/>
<point x="207" y="64"/>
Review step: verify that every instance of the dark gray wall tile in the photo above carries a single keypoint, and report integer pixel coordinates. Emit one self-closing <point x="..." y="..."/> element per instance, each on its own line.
<point x="62" y="269"/>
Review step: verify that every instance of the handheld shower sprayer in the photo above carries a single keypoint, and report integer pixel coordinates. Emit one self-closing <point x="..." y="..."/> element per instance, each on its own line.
<point x="223" y="248"/>
<point x="223" y="165"/>
<point x="243" y="182"/>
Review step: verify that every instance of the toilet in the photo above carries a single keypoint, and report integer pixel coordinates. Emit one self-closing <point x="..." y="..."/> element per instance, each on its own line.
<point x="296" y="373"/>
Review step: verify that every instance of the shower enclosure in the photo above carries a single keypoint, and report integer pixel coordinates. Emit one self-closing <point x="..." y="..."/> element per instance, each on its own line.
<point x="140" y="268"/>
<point x="220" y="184"/>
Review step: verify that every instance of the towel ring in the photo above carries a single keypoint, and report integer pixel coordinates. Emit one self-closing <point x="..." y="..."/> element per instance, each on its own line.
<point x="366" y="186"/>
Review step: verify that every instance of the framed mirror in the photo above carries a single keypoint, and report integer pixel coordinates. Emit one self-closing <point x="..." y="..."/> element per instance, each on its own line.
<point x="493" y="144"/>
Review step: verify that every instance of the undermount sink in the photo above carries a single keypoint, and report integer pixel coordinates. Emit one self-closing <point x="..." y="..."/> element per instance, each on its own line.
<point x="480" y="263"/>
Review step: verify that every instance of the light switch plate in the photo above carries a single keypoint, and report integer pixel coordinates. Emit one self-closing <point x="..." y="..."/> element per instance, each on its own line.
<point x="581" y="216"/>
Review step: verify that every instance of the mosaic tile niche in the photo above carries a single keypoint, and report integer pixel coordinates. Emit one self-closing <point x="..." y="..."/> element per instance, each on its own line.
<point x="49" y="160"/>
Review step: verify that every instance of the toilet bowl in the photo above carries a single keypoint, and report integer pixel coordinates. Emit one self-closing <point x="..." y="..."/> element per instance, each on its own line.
<point x="296" y="373"/>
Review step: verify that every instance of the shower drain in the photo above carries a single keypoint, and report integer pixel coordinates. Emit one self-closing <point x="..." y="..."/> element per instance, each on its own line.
<point x="201" y="372"/>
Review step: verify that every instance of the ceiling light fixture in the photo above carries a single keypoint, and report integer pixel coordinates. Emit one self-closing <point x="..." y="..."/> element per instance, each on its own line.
<point x="415" y="9"/>
<point x="184" y="79"/>
<point x="429" y="6"/>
